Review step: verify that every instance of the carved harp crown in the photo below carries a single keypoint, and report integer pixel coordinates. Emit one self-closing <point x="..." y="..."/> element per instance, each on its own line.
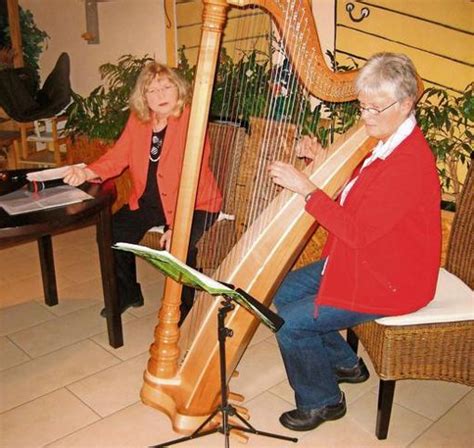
<point x="185" y="383"/>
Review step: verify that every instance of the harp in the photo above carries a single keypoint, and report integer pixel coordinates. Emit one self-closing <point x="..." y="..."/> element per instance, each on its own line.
<point x="182" y="381"/>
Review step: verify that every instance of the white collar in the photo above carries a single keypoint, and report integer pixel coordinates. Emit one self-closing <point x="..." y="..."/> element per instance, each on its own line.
<point x="383" y="150"/>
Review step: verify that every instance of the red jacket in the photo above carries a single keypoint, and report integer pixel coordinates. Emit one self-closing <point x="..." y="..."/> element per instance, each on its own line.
<point x="384" y="243"/>
<point x="132" y="151"/>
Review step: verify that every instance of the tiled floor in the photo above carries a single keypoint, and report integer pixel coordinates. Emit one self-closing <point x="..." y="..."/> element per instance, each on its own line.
<point x="62" y="385"/>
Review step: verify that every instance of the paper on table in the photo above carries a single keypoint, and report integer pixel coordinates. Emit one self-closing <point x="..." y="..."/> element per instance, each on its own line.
<point x="51" y="174"/>
<point x="23" y="201"/>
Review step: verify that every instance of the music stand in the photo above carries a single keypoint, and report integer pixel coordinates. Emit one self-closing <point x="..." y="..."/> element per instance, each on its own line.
<point x="225" y="409"/>
<point x="188" y="276"/>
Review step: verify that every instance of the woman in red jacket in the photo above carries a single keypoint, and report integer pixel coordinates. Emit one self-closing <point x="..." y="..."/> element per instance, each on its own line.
<point x="383" y="251"/>
<point x="152" y="147"/>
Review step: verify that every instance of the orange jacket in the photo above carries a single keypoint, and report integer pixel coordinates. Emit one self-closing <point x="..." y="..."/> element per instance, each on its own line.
<point x="132" y="151"/>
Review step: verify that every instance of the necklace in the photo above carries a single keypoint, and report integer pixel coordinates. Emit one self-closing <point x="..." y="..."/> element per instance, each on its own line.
<point x="156" y="144"/>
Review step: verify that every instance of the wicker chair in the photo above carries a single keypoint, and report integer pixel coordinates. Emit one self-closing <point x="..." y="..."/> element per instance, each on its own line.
<point x="434" y="351"/>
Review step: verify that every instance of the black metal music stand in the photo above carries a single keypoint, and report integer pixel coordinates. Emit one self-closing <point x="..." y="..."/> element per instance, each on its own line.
<point x="225" y="409"/>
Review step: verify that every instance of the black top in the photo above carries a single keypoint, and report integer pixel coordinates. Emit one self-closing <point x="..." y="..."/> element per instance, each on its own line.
<point x="151" y="196"/>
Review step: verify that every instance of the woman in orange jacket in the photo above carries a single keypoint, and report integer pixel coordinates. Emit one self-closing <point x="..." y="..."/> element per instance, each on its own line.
<point x="152" y="147"/>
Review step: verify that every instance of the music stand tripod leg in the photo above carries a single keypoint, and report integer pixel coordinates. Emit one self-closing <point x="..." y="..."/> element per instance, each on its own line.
<point x="224" y="408"/>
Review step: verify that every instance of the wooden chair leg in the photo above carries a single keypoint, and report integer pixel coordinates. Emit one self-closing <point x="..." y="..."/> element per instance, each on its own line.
<point x="384" y="408"/>
<point x="352" y="339"/>
<point x="24" y="143"/>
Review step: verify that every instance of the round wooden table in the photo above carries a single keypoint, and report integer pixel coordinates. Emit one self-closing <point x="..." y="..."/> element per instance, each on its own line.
<point x="41" y="225"/>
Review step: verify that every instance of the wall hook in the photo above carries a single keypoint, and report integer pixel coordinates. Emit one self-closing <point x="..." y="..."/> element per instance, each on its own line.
<point x="364" y="12"/>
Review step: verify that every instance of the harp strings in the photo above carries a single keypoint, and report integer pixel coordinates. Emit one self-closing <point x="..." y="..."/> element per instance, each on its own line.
<point x="270" y="138"/>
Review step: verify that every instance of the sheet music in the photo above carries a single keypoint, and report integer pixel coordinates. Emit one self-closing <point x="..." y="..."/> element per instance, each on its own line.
<point x="51" y="174"/>
<point x="23" y="201"/>
<point x="172" y="267"/>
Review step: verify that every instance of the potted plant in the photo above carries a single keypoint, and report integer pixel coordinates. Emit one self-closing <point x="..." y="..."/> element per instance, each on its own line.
<point x="446" y="121"/>
<point x="33" y="41"/>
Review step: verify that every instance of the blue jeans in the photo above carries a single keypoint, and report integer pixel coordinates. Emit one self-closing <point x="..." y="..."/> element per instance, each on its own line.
<point x="312" y="347"/>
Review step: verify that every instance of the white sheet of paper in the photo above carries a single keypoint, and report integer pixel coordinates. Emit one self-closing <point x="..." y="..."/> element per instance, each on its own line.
<point x="51" y="174"/>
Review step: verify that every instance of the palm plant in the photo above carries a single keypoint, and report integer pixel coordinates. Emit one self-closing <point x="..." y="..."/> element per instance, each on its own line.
<point x="103" y="114"/>
<point x="446" y="120"/>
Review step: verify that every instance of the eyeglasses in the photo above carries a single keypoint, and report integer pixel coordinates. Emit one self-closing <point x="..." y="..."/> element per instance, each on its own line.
<point x="163" y="90"/>
<point x="373" y="110"/>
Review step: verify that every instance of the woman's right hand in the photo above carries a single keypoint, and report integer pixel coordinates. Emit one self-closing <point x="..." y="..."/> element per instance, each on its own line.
<point x="77" y="176"/>
<point x="308" y="147"/>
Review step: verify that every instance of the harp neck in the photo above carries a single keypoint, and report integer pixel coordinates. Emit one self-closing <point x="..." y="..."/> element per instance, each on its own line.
<point x="300" y="37"/>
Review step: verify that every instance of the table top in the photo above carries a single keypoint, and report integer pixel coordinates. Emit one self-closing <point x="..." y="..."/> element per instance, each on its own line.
<point x="18" y="228"/>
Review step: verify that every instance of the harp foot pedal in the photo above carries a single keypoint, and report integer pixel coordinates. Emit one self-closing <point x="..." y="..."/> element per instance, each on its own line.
<point x="239" y="436"/>
<point x="236" y="397"/>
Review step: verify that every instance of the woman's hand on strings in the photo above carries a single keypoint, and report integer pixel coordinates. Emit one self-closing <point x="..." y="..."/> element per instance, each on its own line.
<point x="165" y="240"/>
<point x="308" y="148"/>
<point x="77" y="176"/>
<point x="289" y="177"/>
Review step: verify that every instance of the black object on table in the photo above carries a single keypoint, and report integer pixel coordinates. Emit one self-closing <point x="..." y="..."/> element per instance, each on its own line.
<point x="41" y="225"/>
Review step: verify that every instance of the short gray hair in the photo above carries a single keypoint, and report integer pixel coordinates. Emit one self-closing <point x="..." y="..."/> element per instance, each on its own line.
<point x="393" y="73"/>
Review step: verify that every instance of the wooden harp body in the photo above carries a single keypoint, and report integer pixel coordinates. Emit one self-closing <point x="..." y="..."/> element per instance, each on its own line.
<point x="184" y="383"/>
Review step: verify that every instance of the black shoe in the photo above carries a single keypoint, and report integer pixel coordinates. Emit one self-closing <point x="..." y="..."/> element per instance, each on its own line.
<point x="300" y="420"/>
<point x="356" y="374"/>
<point x="138" y="303"/>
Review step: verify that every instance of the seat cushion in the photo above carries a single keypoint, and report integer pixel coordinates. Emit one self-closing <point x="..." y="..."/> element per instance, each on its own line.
<point x="453" y="301"/>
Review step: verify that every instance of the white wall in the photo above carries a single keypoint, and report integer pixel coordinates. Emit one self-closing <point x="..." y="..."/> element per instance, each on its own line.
<point x="134" y="27"/>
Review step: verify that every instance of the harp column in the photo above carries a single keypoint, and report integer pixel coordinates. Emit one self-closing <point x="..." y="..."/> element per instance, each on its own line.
<point x="165" y="351"/>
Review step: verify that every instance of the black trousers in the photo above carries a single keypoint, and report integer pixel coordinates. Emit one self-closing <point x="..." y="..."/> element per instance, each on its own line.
<point x="129" y="226"/>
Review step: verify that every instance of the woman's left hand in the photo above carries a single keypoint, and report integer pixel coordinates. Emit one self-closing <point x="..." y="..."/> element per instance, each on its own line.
<point x="289" y="177"/>
<point x="165" y="240"/>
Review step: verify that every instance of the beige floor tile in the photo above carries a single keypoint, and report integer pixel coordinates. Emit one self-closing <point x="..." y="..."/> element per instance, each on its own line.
<point x="147" y="272"/>
<point x="83" y="236"/>
<point x="263" y="333"/>
<point x="284" y="391"/>
<point x="343" y="433"/>
<point x="264" y="411"/>
<point x="44" y="420"/>
<point x="260" y="358"/>
<point x="10" y="296"/>
<point x="28" y="289"/>
<point x="429" y="398"/>
<point x="81" y="271"/>
<point x="152" y="293"/>
<point x="68" y="305"/>
<point x="83" y="290"/>
<point x="72" y="255"/>
<point x="137" y="336"/>
<point x="21" y="316"/>
<point x="10" y="354"/>
<point x="54" y="334"/>
<point x="137" y="426"/>
<point x="18" y="266"/>
<point x="405" y="425"/>
<point x="113" y="389"/>
<point x="40" y="376"/>
<point x="21" y="250"/>
<point x="454" y="429"/>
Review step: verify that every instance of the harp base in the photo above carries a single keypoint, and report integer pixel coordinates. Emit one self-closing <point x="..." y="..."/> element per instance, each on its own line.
<point x="225" y="409"/>
<point x="161" y="401"/>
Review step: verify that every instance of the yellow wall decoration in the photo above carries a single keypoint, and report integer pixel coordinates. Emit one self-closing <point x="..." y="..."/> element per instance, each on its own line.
<point x="436" y="34"/>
